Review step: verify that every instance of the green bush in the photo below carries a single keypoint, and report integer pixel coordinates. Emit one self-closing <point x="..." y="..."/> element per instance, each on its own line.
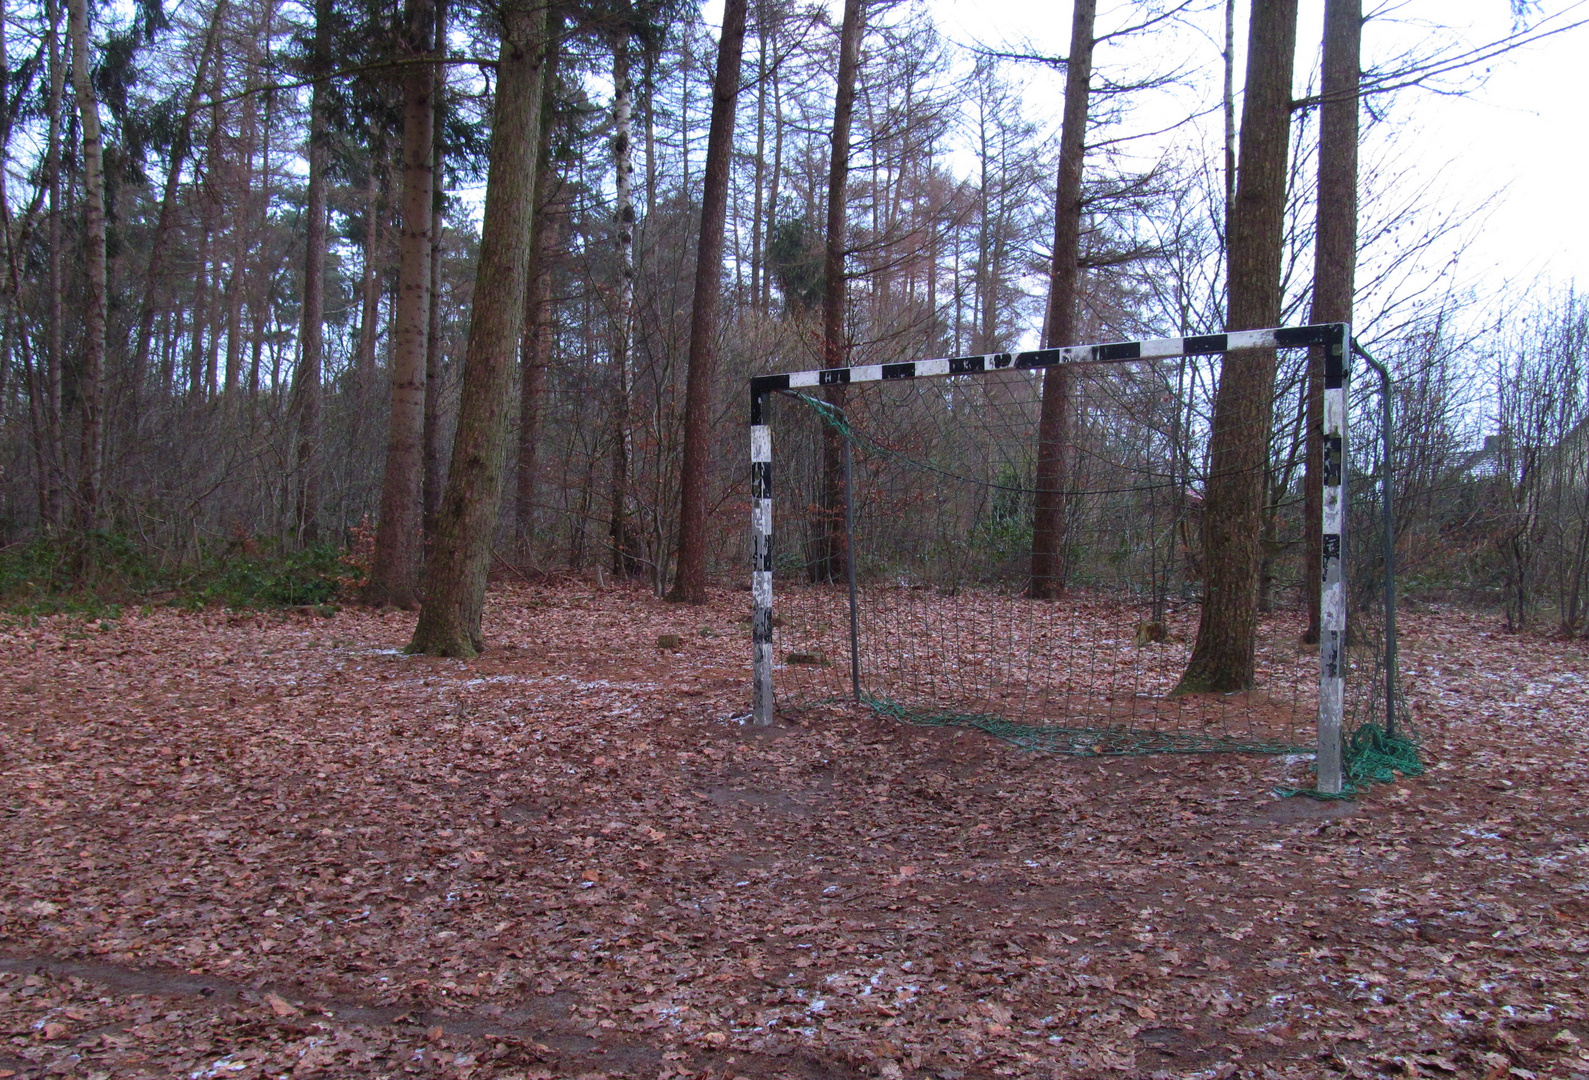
<point x="296" y="579"/>
<point x="92" y="575"/>
<point x="82" y="574"/>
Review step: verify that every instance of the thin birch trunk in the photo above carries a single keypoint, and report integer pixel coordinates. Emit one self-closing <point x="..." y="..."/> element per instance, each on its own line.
<point x="200" y="374"/>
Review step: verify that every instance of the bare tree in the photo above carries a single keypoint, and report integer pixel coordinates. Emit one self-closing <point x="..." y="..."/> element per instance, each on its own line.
<point x="165" y="226"/>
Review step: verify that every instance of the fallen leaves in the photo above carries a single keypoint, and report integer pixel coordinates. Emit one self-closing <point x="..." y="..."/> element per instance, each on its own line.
<point x="382" y="864"/>
<point x="281" y="1007"/>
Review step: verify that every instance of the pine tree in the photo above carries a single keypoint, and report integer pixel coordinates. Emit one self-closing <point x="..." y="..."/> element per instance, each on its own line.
<point x="690" y="583"/>
<point x="455" y="575"/>
<point x="1222" y="657"/>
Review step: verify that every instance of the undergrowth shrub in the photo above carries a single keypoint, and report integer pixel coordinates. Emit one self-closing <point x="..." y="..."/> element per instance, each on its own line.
<point x="90" y="575"/>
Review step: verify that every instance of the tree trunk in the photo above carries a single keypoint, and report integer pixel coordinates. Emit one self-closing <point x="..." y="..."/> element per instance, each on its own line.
<point x="651" y="132"/>
<point x="455" y="576"/>
<point x="618" y="533"/>
<point x="1334" y="259"/>
<point x="830" y="563"/>
<point x="201" y="300"/>
<point x="90" y="385"/>
<point x="369" y="284"/>
<point x="537" y="354"/>
<point x="171" y="329"/>
<point x="262" y="282"/>
<point x="55" y="456"/>
<point x="536" y="349"/>
<point x="1059" y="327"/>
<point x="242" y="219"/>
<point x="433" y="466"/>
<point x="1222" y="658"/>
<point x="982" y="340"/>
<point x="214" y="290"/>
<point x="311" y="340"/>
<point x="689" y="585"/>
<point x="395" y="564"/>
<point x="686" y="81"/>
<point x="772" y="185"/>
<point x="757" y="241"/>
<point x="1228" y="110"/>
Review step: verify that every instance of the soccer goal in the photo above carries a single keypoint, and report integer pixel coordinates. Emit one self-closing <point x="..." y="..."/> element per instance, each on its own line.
<point x="906" y="493"/>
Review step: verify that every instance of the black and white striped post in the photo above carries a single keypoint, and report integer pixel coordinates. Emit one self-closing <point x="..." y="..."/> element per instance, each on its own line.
<point x="761" y="556"/>
<point x="1334" y="337"/>
<point x="1332" y="598"/>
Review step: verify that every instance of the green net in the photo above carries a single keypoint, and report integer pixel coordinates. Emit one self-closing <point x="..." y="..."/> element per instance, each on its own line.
<point x="1080" y="741"/>
<point x="1373" y="756"/>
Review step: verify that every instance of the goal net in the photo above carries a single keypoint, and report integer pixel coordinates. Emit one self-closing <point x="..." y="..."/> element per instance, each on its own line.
<point x="904" y="496"/>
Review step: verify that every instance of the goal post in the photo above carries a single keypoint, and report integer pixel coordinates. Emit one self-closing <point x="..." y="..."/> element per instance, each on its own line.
<point x="1334" y="338"/>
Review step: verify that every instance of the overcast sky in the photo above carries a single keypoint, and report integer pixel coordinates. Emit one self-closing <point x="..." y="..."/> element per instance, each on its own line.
<point x="1520" y="134"/>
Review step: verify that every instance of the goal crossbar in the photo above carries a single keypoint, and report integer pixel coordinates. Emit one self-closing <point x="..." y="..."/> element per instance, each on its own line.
<point x="1333" y="338"/>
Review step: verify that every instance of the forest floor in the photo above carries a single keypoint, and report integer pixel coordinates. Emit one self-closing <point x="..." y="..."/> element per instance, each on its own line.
<point x="251" y="845"/>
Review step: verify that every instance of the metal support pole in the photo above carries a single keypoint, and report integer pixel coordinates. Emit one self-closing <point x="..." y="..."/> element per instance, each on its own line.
<point x="849" y="565"/>
<point x="761" y="560"/>
<point x="1332" y="606"/>
<point x="1386" y="422"/>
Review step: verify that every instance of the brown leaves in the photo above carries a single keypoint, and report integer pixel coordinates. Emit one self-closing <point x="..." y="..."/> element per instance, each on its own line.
<point x="554" y="842"/>
<point x="281" y="1007"/>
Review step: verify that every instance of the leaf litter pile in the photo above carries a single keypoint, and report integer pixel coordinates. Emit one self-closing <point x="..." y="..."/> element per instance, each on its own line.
<point x="266" y="846"/>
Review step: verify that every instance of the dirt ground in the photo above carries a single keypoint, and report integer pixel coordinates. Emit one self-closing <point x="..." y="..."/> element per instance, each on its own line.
<point x="265" y="846"/>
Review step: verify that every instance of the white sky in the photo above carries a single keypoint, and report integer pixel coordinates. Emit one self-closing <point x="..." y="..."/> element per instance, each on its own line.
<point x="1522" y="135"/>
<point x="1518" y="138"/>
